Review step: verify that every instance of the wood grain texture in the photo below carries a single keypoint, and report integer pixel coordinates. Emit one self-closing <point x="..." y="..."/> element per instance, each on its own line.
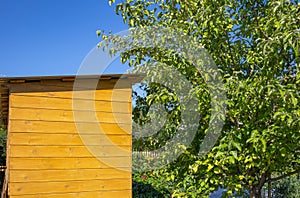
<point x="121" y="95"/>
<point x="67" y="175"/>
<point x="70" y="151"/>
<point x="67" y="163"/>
<point x="66" y="143"/>
<point x="68" y="116"/>
<point x="44" y="139"/>
<point x="67" y="104"/>
<point x="94" y="194"/>
<point x="55" y="127"/>
<point x="68" y="186"/>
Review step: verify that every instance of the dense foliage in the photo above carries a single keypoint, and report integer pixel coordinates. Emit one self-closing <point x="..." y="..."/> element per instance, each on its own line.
<point x="2" y="152"/>
<point x="287" y="187"/>
<point x="2" y="146"/>
<point x="146" y="185"/>
<point x="255" y="45"/>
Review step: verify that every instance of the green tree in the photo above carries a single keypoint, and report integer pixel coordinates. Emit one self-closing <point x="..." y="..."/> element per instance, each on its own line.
<point x="255" y="45"/>
<point x="287" y="187"/>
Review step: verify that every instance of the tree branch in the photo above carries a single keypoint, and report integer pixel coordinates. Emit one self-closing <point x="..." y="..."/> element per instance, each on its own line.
<point x="283" y="176"/>
<point x="262" y="180"/>
<point x="230" y="50"/>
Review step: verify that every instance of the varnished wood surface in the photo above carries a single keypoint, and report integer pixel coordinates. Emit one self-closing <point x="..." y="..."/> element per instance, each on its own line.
<point x="93" y="194"/>
<point x="69" y="145"/>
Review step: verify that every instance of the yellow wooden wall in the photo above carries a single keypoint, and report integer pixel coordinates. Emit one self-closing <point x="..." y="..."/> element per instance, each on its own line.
<point x="46" y="154"/>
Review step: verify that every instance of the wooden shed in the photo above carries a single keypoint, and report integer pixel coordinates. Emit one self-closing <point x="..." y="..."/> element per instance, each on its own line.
<point x="55" y="148"/>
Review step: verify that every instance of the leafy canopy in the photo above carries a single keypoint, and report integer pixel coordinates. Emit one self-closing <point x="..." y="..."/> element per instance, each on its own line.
<point x="255" y="45"/>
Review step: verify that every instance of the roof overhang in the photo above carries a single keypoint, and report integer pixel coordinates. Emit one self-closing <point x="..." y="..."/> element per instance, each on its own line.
<point x="6" y="81"/>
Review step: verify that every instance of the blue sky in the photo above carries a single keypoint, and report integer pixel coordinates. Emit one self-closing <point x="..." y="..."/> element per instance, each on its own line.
<point x="52" y="37"/>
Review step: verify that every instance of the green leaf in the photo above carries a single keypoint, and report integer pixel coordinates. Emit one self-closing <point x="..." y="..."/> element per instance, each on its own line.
<point x="209" y="167"/>
<point x="264" y="148"/>
<point x="237" y="145"/>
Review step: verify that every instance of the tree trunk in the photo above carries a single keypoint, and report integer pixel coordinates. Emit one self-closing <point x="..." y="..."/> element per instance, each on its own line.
<point x="255" y="192"/>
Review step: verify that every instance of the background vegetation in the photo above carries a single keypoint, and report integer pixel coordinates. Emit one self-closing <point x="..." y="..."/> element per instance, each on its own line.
<point x="2" y="152"/>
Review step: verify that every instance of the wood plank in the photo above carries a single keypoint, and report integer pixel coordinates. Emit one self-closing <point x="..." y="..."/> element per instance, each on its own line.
<point x="7" y="159"/>
<point x="122" y="95"/>
<point x="69" y="104"/>
<point x="67" y="139"/>
<point x="69" y="127"/>
<point x="66" y="175"/>
<point x="69" y="116"/>
<point x="68" y="186"/>
<point x="70" y="151"/>
<point x="123" y="163"/>
<point x="100" y="194"/>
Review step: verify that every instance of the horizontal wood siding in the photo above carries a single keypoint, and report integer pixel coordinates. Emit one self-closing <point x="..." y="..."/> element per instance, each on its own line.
<point x="102" y="193"/>
<point x="73" y="175"/>
<point x="119" y="95"/>
<point x="66" y="144"/>
<point x="67" y="104"/>
<point x="25" y="188"/>
<point x="52" y="163"/>
<point x="54" y="127"/>
<point x="50" y="139"/>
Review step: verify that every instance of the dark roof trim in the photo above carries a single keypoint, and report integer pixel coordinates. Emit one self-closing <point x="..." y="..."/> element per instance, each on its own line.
<point x="65" y="78"/>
